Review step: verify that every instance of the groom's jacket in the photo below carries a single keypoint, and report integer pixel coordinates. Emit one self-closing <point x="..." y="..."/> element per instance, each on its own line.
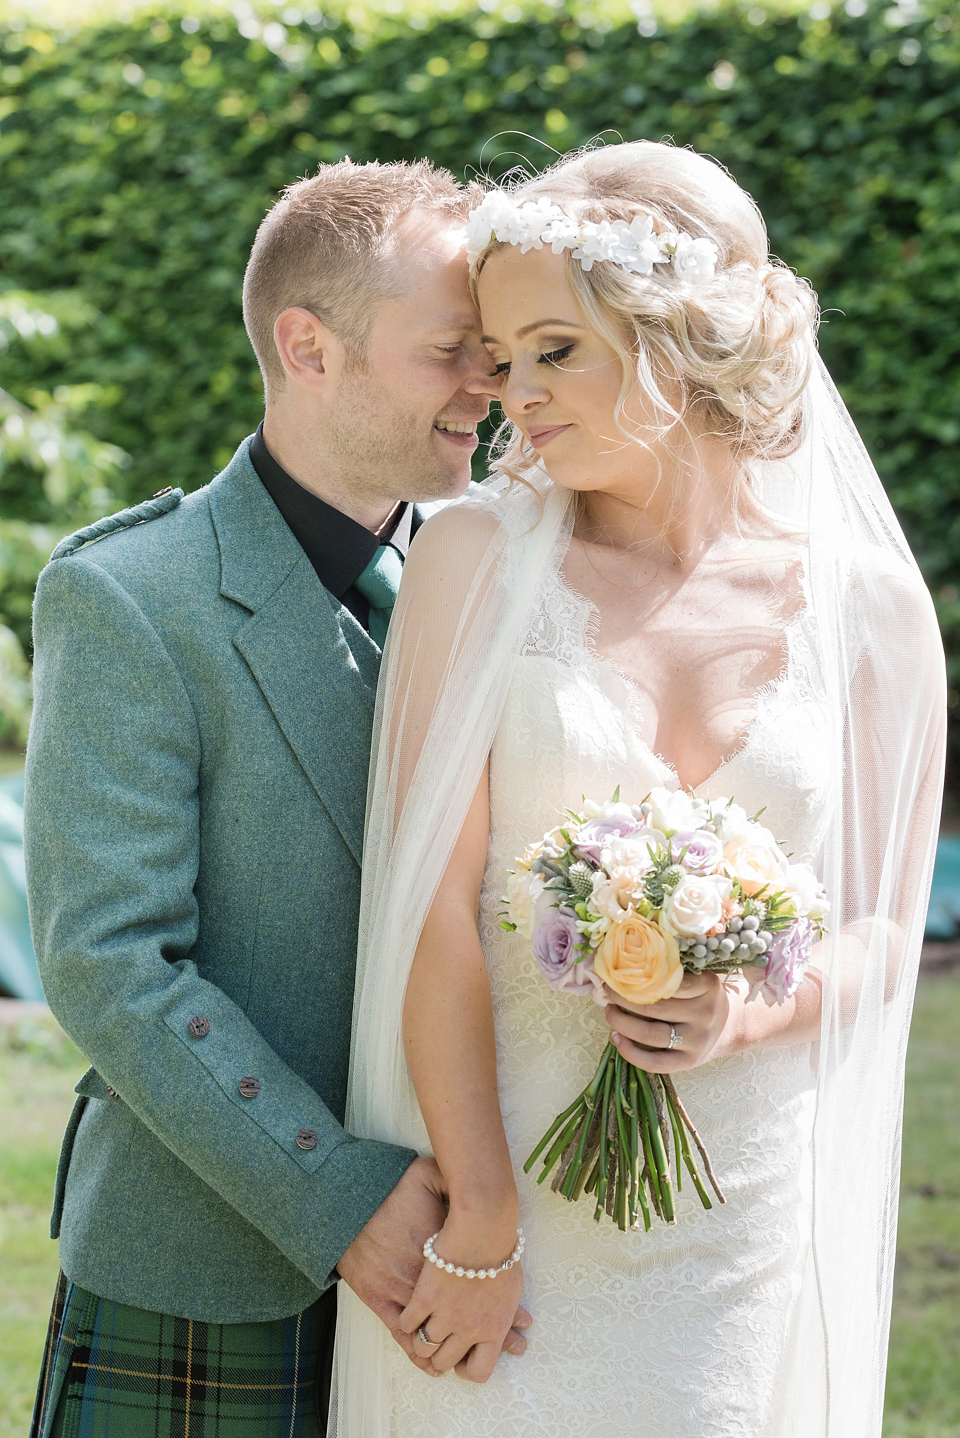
<point x="196" y="781"/>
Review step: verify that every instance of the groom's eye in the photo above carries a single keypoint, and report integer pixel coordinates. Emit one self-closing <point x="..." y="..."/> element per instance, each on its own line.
<point x="555" y="356"/>
<point x="503" y="368"/>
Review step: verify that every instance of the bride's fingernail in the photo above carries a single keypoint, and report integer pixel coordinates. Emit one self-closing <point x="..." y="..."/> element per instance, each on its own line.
<point x="615" y="1038"/>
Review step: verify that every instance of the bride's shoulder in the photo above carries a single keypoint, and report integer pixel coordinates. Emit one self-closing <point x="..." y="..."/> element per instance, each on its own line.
<point x="887" y="607"/>
<point x="487" y="515"/>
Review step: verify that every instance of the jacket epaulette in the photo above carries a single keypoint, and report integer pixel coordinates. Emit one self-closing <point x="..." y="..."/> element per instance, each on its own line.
<point x="161" y="503"/>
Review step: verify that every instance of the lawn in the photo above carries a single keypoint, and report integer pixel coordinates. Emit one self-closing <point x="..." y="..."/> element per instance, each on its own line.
<point x="38" y="1068"/>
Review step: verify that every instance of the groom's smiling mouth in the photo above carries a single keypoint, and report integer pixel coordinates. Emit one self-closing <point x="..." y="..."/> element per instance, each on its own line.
<point x="462" y="433"/>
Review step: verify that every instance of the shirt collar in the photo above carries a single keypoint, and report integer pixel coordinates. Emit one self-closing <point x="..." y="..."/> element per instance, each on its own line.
<point x="337" y="546"/>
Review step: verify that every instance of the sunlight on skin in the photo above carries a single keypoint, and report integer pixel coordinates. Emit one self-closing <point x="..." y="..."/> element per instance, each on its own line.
<point x="560" y="387"/>
<point x="359" y="435"/>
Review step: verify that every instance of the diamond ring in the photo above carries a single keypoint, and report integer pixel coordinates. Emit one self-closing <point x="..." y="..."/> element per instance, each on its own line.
<point x="676" y="1040"/>
<point x="422" y="1335"/>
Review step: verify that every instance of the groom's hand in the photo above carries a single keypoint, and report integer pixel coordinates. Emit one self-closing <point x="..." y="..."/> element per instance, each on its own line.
<point x="383" y="1262"/>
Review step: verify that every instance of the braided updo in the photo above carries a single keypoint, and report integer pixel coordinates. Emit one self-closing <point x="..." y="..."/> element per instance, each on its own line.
<point x="739" y="345"/>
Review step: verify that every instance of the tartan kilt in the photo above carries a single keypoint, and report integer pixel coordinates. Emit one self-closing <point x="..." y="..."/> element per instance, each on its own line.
<point x="110" y="1369"/>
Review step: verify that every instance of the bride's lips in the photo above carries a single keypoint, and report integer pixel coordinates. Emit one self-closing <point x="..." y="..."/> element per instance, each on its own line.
<point x="541" y="437"/>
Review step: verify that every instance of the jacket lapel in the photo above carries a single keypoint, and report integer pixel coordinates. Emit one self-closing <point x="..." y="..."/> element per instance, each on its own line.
<point x="320" y="687"/>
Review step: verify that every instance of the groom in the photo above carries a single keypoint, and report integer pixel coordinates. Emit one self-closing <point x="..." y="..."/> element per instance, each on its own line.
<point x="205" y="677"/>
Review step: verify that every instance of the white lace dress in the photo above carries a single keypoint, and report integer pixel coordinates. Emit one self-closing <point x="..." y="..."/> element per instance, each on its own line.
<point x="684" y="1332"/>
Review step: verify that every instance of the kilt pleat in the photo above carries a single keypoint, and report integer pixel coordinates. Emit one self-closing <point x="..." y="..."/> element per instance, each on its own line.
<point x="113" y="1371"/>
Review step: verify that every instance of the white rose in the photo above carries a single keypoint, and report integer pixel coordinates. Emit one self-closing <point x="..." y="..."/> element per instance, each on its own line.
<point x="674" y="809"/>
<point x="730" y="820"/>
<point x="632" y="851"/>
<point x="696" y="905"/>
<point x="523" y="891"/>
<point x="733" y="826"/>
<point x="805" y="892"/>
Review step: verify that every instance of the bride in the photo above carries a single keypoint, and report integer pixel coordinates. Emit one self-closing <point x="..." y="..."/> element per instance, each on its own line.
<point x="686" y="575"/>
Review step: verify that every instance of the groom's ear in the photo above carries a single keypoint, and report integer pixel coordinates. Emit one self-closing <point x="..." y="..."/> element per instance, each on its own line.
<point x="309" y="352"/>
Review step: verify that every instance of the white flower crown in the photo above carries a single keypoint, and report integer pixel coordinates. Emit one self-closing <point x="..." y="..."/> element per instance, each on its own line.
<point x="635" y="247"/>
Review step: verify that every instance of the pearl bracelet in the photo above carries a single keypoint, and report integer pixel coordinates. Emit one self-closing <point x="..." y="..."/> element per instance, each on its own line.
<point x="435" y="1259"/>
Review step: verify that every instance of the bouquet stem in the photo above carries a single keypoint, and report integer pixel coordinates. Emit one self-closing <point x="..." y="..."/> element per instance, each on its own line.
<point x="614" y="1141"/>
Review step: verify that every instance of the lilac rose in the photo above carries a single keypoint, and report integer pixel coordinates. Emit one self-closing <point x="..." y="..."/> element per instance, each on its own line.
<point x="594" y="834"/>
<point x="704" y="850"/>
<point x="787" y="961"/>
<point x="556" y="947"/>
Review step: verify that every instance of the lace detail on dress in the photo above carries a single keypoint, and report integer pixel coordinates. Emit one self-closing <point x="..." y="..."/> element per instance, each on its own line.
<point x="685" y="1331"/>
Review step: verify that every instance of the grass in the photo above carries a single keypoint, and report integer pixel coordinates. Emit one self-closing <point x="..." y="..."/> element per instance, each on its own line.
<point x="923" y="1379"/>
<point x="39" y="1067"/>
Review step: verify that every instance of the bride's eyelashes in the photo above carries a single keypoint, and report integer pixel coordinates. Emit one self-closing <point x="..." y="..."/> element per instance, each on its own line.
<point x="548" y="357"/>
<point x="555" y="356"/>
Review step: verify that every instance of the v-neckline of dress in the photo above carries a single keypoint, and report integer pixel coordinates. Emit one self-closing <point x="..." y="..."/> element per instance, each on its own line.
<point x="591" y="619"/>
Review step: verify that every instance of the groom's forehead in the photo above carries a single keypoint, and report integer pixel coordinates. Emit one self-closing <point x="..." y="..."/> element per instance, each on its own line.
<point x="431" y="275"/>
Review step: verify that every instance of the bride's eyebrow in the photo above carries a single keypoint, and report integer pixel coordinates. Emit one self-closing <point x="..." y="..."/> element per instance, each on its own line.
<point x="537" y="325"/>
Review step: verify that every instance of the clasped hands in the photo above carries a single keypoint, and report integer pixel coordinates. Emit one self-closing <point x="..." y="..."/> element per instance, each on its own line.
<point x="386" y="1269"/>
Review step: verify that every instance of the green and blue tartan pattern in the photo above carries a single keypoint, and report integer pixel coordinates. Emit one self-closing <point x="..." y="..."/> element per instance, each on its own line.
<point x="114" y="1371"/>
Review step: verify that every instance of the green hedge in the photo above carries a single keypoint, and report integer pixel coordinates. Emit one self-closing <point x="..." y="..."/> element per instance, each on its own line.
<point x="137" y="159"/>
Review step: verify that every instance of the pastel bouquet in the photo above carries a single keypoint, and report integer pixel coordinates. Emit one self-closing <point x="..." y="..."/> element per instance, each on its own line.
<point x="622" y="900"/>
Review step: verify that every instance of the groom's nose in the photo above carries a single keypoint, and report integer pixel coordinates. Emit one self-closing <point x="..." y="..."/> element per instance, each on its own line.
<point x="482" y="377"/>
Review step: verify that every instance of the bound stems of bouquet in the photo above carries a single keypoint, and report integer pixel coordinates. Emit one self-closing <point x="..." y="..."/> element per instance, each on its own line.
<point x="614" y="1141"/>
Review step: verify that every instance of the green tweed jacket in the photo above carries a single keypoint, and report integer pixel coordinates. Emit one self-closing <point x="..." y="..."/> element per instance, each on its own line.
<point x="195" y="793"/>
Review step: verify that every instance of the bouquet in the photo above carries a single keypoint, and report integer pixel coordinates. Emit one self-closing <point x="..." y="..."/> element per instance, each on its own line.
<point x="626" y="898"/>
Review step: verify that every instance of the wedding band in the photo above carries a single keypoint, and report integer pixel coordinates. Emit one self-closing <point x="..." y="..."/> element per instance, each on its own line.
<point x="422" y="1335"/>
<point x="676" y="1040"/>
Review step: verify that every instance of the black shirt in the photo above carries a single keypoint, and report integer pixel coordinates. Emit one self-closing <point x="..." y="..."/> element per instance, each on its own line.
<point x="337" y="546"/>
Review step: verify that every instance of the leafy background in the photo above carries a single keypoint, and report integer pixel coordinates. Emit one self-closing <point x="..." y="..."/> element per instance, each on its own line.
<point x="137" y="157"/>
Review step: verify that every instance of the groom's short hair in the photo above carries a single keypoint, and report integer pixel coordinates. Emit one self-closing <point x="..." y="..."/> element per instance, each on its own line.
<point x="326" y="246"/>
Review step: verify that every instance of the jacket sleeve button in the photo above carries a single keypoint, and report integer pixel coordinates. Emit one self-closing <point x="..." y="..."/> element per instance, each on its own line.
<point x="249" y="1086"/>
<point x="112" y="1092"/>
<point x="198" y="1027"/>
<point x="306" y="1138"/>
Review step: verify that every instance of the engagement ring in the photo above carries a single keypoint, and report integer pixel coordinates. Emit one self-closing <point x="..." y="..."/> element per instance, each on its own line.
<point x="422" y="1335"/>
<point x="676" y="1039"/>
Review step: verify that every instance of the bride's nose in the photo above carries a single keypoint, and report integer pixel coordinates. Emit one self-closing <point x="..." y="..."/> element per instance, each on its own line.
<point x="523" y="393"/>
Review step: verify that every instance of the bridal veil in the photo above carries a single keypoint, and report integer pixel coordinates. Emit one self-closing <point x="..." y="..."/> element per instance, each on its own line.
<point x="469" y="590"/>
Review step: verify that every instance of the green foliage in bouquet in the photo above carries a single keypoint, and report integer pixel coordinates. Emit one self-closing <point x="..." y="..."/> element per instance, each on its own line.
<point x="136" y="160"/>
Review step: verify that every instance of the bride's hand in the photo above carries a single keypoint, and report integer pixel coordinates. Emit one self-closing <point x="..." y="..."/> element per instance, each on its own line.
<point x="468" y="1318"/>
<point x="701" y="1014"/>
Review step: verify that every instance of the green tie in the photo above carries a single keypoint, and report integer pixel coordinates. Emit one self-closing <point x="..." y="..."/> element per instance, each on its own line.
<point x="378" y="584"/>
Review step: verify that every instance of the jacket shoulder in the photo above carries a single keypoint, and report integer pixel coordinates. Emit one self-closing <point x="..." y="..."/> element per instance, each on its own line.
<point x="162" y="503"/>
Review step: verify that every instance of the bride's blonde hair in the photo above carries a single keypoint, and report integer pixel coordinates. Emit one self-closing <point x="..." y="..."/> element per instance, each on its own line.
<point x="737" y="348"/>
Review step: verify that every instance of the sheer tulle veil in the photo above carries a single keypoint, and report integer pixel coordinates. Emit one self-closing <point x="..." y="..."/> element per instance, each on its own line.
<point x="467" y="596"/>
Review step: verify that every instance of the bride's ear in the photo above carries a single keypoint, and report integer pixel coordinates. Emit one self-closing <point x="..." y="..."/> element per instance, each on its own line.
<point x="309" y="352"/>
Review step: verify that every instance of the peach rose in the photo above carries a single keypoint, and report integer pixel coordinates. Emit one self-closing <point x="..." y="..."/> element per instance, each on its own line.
<point x="755" y="866"/>
<point x="638" y="960"/>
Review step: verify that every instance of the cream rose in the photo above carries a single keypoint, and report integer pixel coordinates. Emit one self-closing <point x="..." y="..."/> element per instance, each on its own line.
<point x="696" y="905"/>
<point x="613" y="896"/>
<point x="755" y="866"/>
<point x="523" y="891"/>
<point x="639" y="961"/>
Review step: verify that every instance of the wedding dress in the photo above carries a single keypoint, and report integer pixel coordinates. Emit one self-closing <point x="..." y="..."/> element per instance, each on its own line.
<point x="684" y="1331"/>
<point x="766" y="1317"/>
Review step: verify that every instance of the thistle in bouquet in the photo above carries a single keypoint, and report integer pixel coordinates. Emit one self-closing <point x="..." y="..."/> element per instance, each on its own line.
<point x="622" y="900"/>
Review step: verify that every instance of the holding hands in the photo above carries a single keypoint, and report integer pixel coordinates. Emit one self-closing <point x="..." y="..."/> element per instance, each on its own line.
<point x="464" y="1322"/>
